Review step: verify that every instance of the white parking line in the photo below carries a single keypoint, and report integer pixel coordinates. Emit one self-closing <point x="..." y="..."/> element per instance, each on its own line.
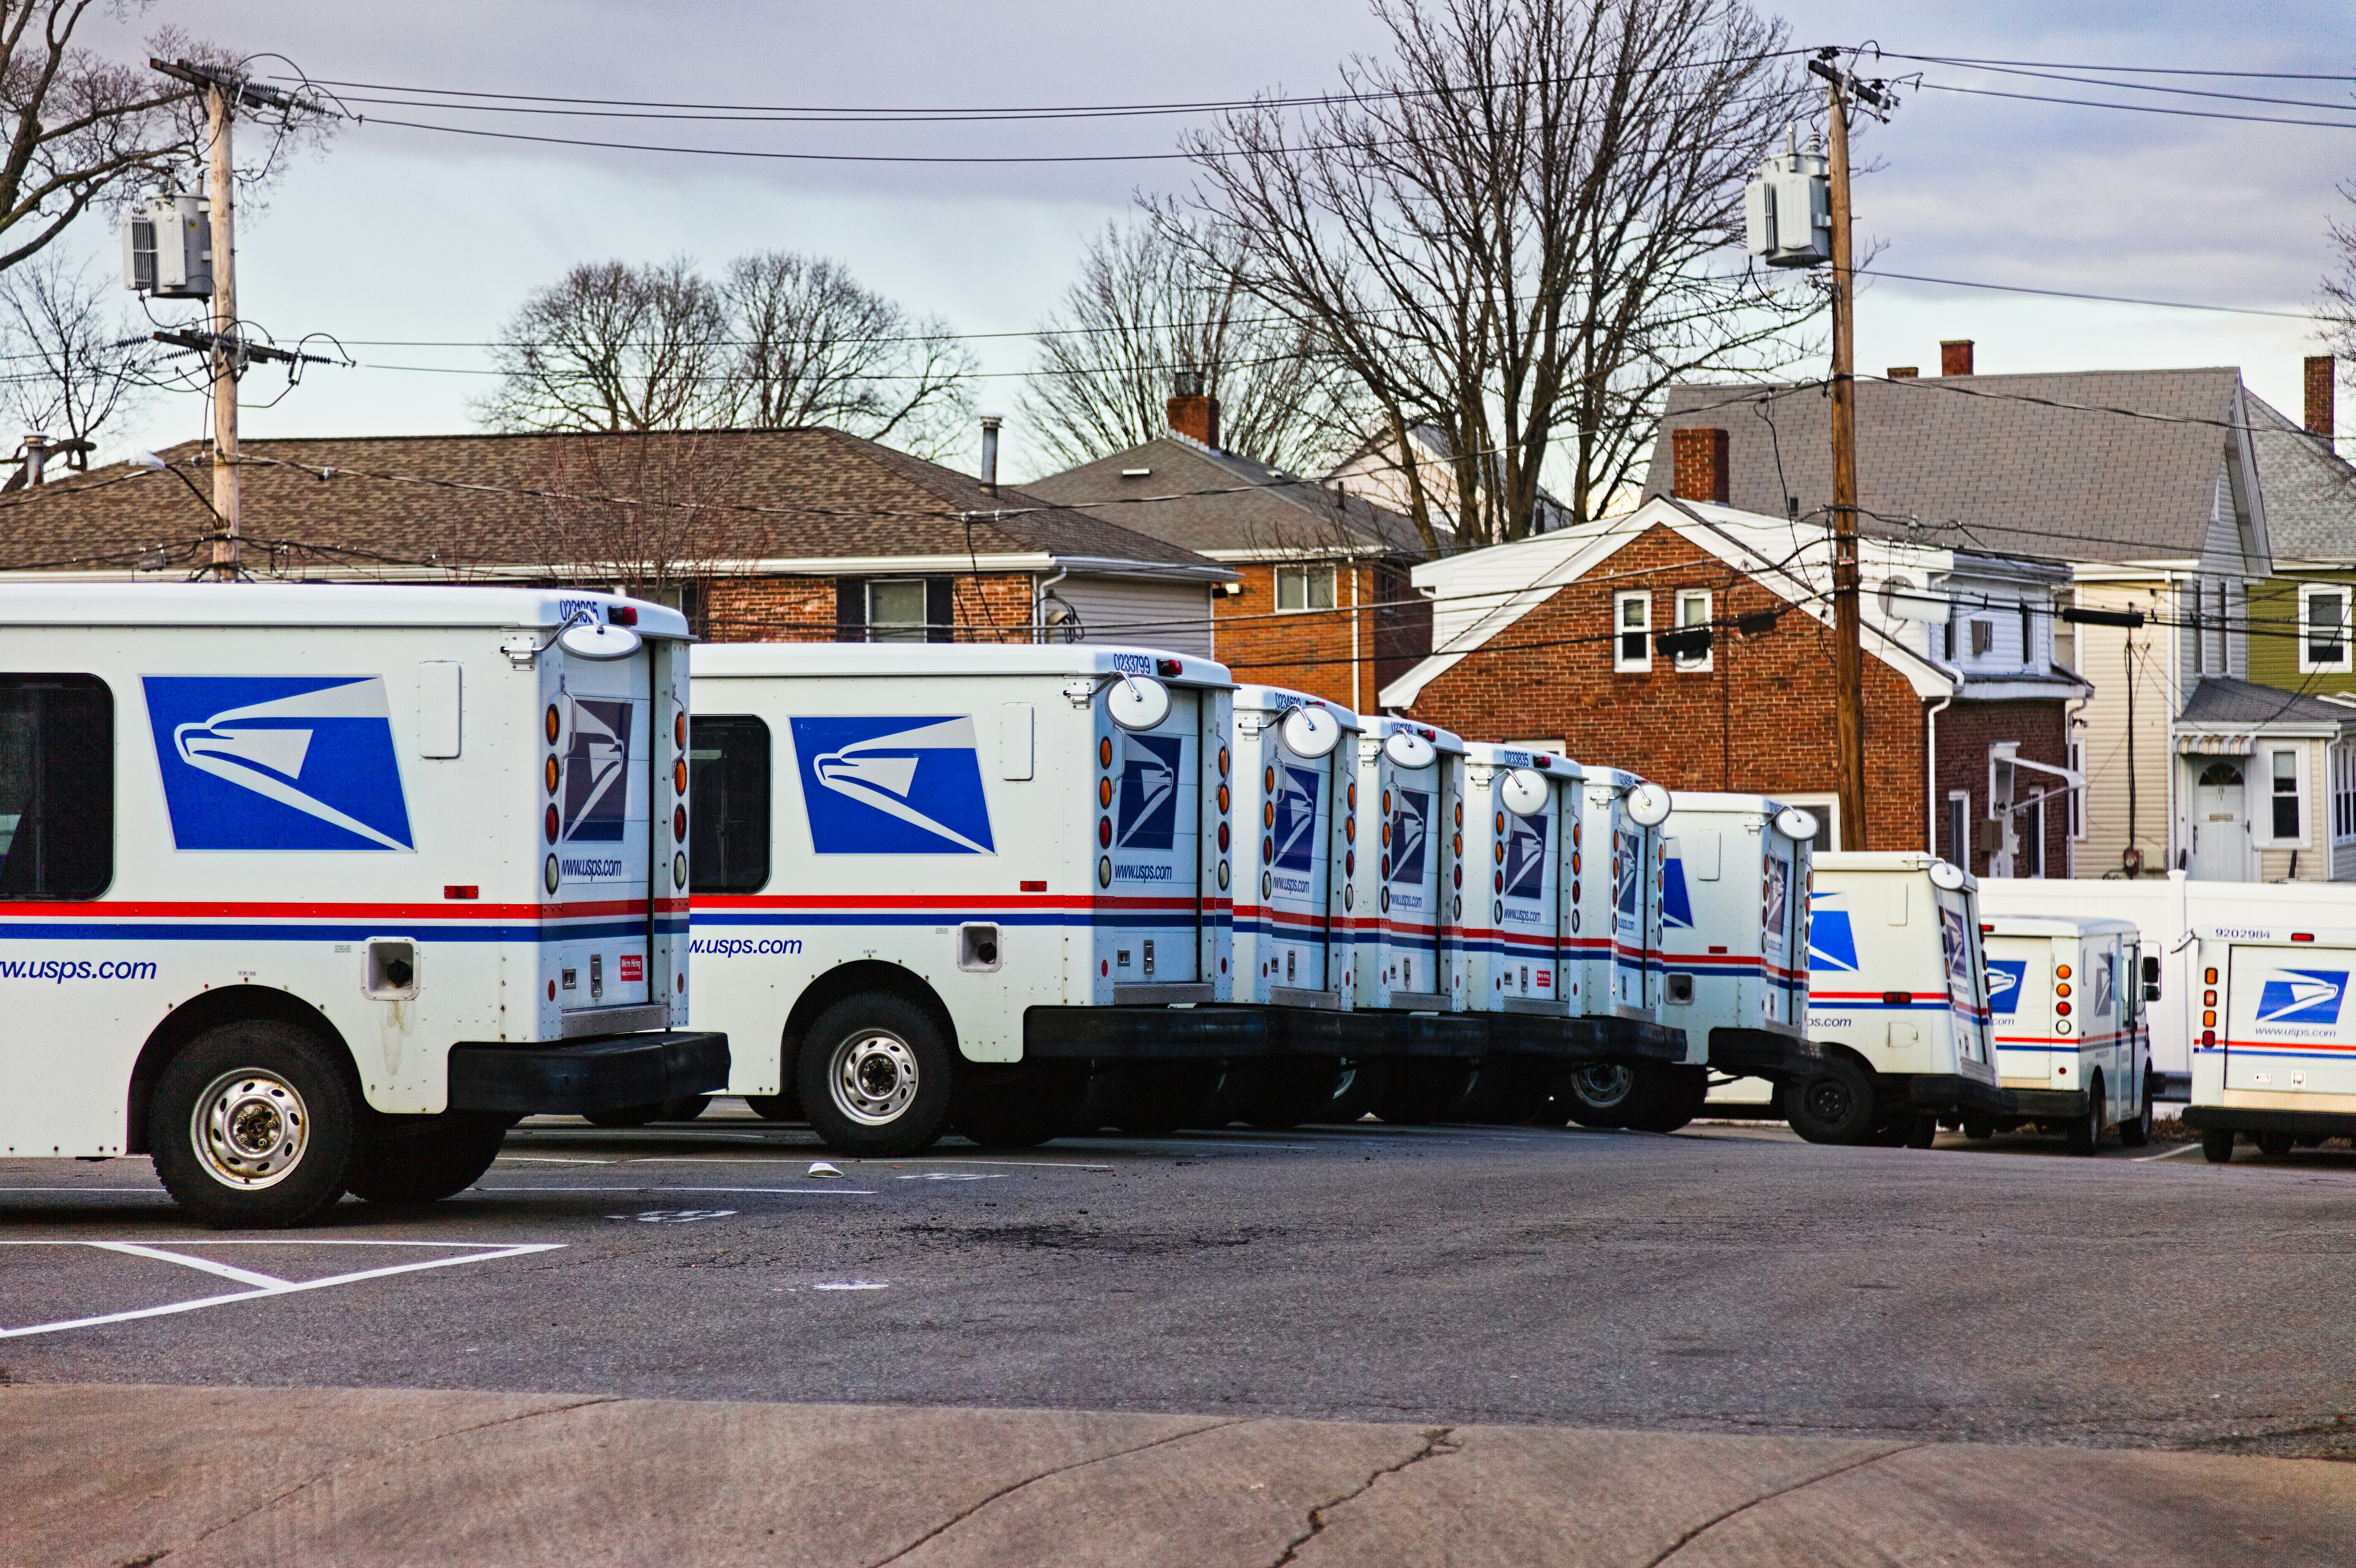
<point x="2171" y="1154"/>
<point x="275" y="1287"/>
<point x="830" y="1191"/>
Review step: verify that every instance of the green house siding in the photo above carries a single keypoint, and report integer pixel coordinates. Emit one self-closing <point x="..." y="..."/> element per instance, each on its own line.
<point x="2273" y="640"/>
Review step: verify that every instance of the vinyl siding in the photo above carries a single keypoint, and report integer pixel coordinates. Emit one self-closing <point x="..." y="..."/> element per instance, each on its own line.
<point x="1140" y="611"/>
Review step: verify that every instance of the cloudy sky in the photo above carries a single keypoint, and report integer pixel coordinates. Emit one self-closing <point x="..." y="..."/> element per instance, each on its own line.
<point x="397" y="238"/>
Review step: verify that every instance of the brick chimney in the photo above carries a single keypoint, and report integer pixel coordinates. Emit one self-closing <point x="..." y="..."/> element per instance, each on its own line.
<point x="1192" y="414"/>
<point x="1697" y="465"/>
<point x="2319" y="414"/>
<point x="1903" y="372"/>
<point x="1954" y="356"/>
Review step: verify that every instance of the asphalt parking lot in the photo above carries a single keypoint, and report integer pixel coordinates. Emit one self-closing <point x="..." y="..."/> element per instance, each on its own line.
<point x="1722" y="1279"/>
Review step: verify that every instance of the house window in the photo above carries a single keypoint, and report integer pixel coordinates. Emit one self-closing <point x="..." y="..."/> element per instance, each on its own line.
<point x="2031" y="861"/>
<point x="1826" y="809"/>
<point x="895" y="611"/>
<point x="1632" y="621"/>
<point x="1693" y="610"/>
<point x="2343" y="794"/>
<point x="1983" y="638"/>
<point x="1959" y="827"/>
<point x="2028" y="637"/>
<point x="2200" y="628"/>
<point x="1304" y="588"/>
<point x="2077" y="807"/>
<point x="2323" y="631"/>
<point x="2285" y="796"/>
<point x="1950" y="629"/>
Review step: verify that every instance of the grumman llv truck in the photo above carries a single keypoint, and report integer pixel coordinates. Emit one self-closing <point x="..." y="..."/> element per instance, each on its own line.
<point x="2273" y="1053"/>
<point x="1613" y="911"/>
<point x="941" y="885"/>
<point x="306" y="890"/>
<point x="2073" y="1050"/>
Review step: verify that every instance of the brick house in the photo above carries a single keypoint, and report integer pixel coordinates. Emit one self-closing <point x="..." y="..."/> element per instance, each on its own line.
<point x="1321" y="601"/>
<point x="1569" y="640"/>
<point x="786" y="535"/>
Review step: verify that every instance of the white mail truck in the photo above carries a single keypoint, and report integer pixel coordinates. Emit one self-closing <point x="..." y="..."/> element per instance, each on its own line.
<point x="1897" y="1001"/>
<point x="314" y="888"/>
<point x="2274" y="1057"/>
<point x="946" y="885"/>
<point x="2066" y="995"/>
<point x="1648" y="1077"/>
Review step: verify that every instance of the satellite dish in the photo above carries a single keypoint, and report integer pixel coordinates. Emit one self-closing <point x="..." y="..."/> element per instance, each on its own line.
<point x="1948" y="875"/>
<point x="1522" y="792"/>
<point x="1796" y="824"/>
<point x="1408" y="750"/>
<point x="1648" y="805"/>
<point x="1137" y="702"/>
<point x="592" y="640"/>
<point x="1310" y="732"/>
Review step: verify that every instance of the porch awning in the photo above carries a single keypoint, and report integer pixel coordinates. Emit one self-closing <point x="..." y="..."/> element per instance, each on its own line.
<point x="2196" y="743"/>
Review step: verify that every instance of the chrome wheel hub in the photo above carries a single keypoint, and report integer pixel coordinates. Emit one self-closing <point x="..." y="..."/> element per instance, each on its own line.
<point x="251" y="1129"/>
<point x="1606" y="1084"/>
<point x="873" y="1078"/>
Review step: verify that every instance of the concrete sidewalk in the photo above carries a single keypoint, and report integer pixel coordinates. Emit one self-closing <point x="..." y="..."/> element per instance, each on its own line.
<point x="126" y="1474"/>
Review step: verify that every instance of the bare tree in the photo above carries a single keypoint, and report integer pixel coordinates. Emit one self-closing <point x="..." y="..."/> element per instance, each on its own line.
<point x="71" y="369"/>
<point x="1145" y="311"/>
<point x="1504" y="230"/>
<point x="614" y="347"/>
<point x="813" y="345"/>
<point x="656" y="538"/>
<point x="2339" y="309"/>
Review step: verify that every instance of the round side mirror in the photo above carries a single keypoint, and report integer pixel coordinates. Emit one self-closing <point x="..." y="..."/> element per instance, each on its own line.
<point x="1795" y="823"/>
<point x="1648" y="805"/>
<point x="1944" y="874"/>
<point x="1522" y="792"/>
<point x="593" y="640"/>
<point x="1137" y="702"/>
<point x="1408" y="750"/>
<point x="1310" y="732"/>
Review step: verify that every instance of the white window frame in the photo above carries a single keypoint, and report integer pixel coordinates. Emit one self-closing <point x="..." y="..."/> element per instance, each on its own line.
<point x="1982" y="627"/>
<point x="2262" y="809"/>
<point x="1826" y="808"/>
<point x="2200" y="627"/>
<point x="919" y="630"/>
<point x="2307" y="595"/>
<point x="1643" y="631"/>
<point x="1687" y="598"/>
<point x="2031" y="831"/>
<point x="2343" y="793"/>
<point x="2077" y="808"/>
<point x="2028" y="635"/>
<point x="1307" y="576"/>
<point x="1959" y="828"/>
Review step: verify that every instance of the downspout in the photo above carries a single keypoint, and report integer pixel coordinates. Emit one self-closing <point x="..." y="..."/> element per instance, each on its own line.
<point x="2174" y="693"/>
<point x="1357" y="676"/>
<point x="2071" y="720"/>
<point x="1930" y="750"/>
<point x="1040" y="589"/>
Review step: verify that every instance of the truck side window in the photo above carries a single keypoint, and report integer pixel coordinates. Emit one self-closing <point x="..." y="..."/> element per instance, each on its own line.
<point x="728" y="800"/>
<point x="57" y="786"/>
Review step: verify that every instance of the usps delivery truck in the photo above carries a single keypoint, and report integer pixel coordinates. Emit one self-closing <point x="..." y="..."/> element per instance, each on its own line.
<point x="306" y="890"/>
<point x="1897" y="1000"/>
<point x="2067" y="997"/>
<point x="1648" y="1077"/>
<point x="942" y="884"/>
<point x="1734" y="915"/>
<point x="2274" y="1057"/>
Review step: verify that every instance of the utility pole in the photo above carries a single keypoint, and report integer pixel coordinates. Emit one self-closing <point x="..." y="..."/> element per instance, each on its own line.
<point x="1848" y="648"/>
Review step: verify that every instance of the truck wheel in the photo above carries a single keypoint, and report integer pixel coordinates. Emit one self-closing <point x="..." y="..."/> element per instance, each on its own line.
<point x="1601" y="1095"/>
<point x="1924" y="1133"/>
<point x="2136" y="1131"/>
<point x="784" y="1107"/>
<point x="253" y="1126"/>
<point x="685" y="1110"/>
<point x="2275" y="1145"/>
<point x="874" y="1075"/>
<point x="1979" y="1129"/>
<point x="1285" y="1091"/>
<point x="1422" y="1093"/>
<point x="2217" y="1144"/>
<point x="423" y="1160"/>
<point x="1019" y="1106"/>
<point x="2085" y="1134"/>
<point x="1834" y="1104"/>
<point x="624" y="1115"/>
<point x="1360" y="1086"/>
<point x="1669" y="1097"/>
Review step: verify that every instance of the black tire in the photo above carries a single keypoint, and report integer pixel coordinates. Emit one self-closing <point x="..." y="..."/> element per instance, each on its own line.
<point x="1834" y="1104"/>
<point x="1107" y="1088"/>
<point x="1228" y="1100"/>
<point x="1163" y="1096"/>
<point x="2136" y="1131"/>
<point x="784" y="1107"/>
<point x="625" y="1115"/>
<point x="1602" y="1094"/>
<point x="1979" y="1128"/>
<point x="1424" y="1092"/>
<point x="254" y="1126"/>
<point x="1924" y="1133"/>
<point x="1021" y="1106"/>
<point x="2217" y="1144"/>
<point x="876" y="1075"/>
<point x="1360" y="1085"/>
<point x="2085" y="1134"/>
<point x="685" y="1110"/>
<point x="2275" y="1145"/>
<point x="1669" y="1097"/>
<point x="423" y="1160"/>
<point x="1286" y="1091"/>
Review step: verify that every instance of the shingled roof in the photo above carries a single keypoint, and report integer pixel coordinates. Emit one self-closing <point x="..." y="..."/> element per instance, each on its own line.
<point x="2310" y="490"/>
<point x="782" y="500"/>
<point x="1186" y="494"/>
<point x="1988" y="462"/>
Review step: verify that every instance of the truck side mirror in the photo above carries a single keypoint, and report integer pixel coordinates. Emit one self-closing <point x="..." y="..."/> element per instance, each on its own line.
<point x="2151" y="992"/>
<point x="2151" y="971"/>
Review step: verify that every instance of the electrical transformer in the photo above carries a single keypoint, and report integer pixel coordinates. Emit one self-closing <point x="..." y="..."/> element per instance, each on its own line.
<point x="1787" y="210"/>
<point x="167" y="248"/>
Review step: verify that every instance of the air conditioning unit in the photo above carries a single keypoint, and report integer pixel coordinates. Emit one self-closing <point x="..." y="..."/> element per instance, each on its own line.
<point x="167" y="248"/>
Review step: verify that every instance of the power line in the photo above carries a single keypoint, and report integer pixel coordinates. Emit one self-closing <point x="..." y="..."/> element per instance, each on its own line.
<point x="2105" y="299"/>
<point x="2137" y="107"/>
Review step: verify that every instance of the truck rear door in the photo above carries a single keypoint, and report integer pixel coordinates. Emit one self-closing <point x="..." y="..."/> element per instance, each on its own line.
<point x="1297" y="852"/>
<point x="1150" y="869"/>
<point x="2287" y="1026"/>
<point x="597" y="826"/>
<point x="1783" y="928"/>
<point x="1524" y="884"/>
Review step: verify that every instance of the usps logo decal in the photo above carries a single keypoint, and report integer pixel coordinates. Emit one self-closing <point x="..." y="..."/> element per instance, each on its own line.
<point x="595" y="807"/>
<point x="2302" y="996"/>
<point x="893" y="784"/>
<point x="1526" y="851"/>
<point x="1295" y="831"/>
<point x="2004" y="975"/>
<point x="1676" y="904"/>
<point x="1145" y="810"/>
<point x="1627" y="866"/>
<point x="1832" y="945"/>
<point x="1410" y="834"/>
<point x="278" y="762"/>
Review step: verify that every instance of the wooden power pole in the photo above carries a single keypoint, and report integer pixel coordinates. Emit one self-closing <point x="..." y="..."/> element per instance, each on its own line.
<point x="220" y="114"/>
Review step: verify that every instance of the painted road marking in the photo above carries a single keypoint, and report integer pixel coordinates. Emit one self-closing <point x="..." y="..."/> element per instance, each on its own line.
<point x="274" y="1288"/>
<point x="2171" y="1154"/>
<point x="832" y="1192"/>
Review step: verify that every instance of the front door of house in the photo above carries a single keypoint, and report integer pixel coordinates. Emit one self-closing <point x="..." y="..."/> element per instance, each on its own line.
<point x="2221" y="819"/>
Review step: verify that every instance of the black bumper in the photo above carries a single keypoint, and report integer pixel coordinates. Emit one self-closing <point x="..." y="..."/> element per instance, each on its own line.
<point x="578" y="1076"/>
<point x="2049" y="1104"/>
<point x="1144" y="1034"/>
<point x="2233" y="1118"/>
<point x="1547" y="1037"/>
<point x="1762" y="1053"/>
<point x="1638" y="1041"/>
<point x="1953" y="1091"/>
